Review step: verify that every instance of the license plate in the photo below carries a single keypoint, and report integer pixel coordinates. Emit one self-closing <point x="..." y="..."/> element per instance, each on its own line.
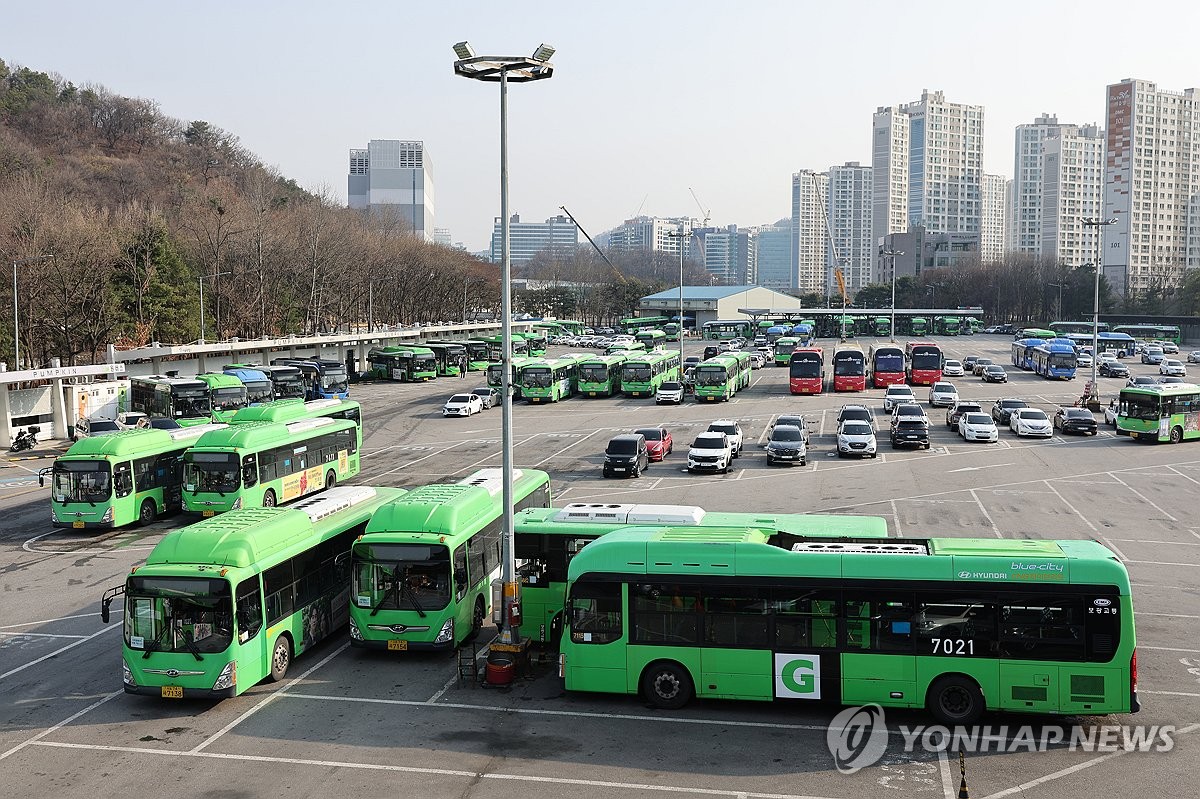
<point x="172" y="692"/>
<point x="77" y="525"/>
<point x="208" y="513"/>
<point x="591" y="393"/>
<point x="397" y="645"/>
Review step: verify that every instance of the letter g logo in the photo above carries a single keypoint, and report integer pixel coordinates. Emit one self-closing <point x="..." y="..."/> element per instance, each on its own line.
<point x="798" y="676"/>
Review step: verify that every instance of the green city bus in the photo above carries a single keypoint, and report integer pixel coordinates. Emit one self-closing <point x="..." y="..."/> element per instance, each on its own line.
<point x="918" y="326"/>
<point x="550" y="379"/>
<point x="953" y="625"/>
<point x="651" y="338"/>
<point x="642" y="374"/>
<point x="1160" y="412"/>
<point x="292" y="410"/>
<point x="721" y="377"/>
<point x="495" y="374"/>
<point x="783" y="349"/>
<point x="535" y="343"/>
<point x="948" y="325"/>
<point x="672" y="330"/>
<point x="267" y="463"/>
<point x="196" y="623"/>
<point x="103" y="482"/>
<point x="882" y="325"/>
<point x="448" y="356"/>
<point x="1151" y="332"/>
<point x="1035" y="332"/>
<point x="405" y="364"/>
<point x="226" y="393"/>
<point x="421" y="575"/>
<point x="635" y="323"/>
<point x="548" y="538"/>
<point x="184" y="399"/>
<point x="495" y="346"/>
<point x="600" y="375"/>
<point x="477" y="354"/>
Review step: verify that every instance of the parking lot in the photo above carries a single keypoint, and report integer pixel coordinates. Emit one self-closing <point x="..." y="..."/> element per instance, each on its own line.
<point x="348" y="721"/>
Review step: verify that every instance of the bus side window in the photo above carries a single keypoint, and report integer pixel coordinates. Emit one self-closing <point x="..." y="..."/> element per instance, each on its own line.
<point x="249" y="609"/>
<point x="122" y="479"/>
<point x="144" y="474"/>
<point x="249" y="471"/>
<point x="460" y="573"/>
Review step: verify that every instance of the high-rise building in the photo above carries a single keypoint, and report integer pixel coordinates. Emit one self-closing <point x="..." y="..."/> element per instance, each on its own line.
<point x="774" y="251"/>
<point x="1152" y="186"/>
<point x="928" y="167"/>
<point x="651" y="234"/>
<point x="848" y="215"/>
<point x="394" y="175"/>
<point x="728" y="253"/>
<point x="442" y="236"/>
<point x="557" y="234"/>
<point x="1025" y="225"/>
<point x="1072" y="187"/>
<point x="810" y="233"/>
<point x="993" y="192"/>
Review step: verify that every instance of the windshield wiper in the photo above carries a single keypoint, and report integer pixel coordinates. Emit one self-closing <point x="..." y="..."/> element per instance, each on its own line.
<point x="191" y="646"/>
<point x="156" y="644"/>
<point x="412" y="597"/>
<point x="393" y="591"/>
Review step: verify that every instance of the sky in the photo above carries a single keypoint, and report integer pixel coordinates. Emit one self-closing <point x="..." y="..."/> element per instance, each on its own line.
<point x="649" y="99"/>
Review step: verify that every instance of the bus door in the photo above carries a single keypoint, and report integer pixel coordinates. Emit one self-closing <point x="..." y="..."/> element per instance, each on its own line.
<point x="251" y="641"/>
<point x="878" y="663"/>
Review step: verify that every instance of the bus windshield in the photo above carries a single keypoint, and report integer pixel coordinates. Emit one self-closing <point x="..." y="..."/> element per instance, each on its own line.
<point x="1139" y="406"/>
<point x="640" y="373"/>
<point x="335" y="379"/>
<point x="258" y="391"/>
<point x="848" y="366"/>
<point x="402" y="577"/>
<point x="926" y="360"/>
<point x="289" y="387"/>
<point x="537" y="377"/>
<point x="593" y="373"/>
<point x="1062" y="359"/>
<point x="82" y="481"/>
<point x="229" y="399"/>
<point x="805" y="368"/>
<point x="211" y="471"/>
<point x="178" y="614"/>
<point x="191" y="403"/>
<point x="889" y="362"/>
<point x="710" y="376"/>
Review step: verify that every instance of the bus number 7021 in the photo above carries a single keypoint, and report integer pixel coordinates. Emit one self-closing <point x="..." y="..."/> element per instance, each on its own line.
<point x="952" y="646"/>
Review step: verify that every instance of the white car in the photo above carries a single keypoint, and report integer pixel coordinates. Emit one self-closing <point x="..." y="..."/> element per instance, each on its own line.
<point x="1083" y="359"/>
<point x="731" y="429"/>
<point x="953" y="369"/>
<point x="1110" y="413"/>
<point x="463" y="405"/>
<point x="978" y="427"/>
<point x="670" y="391"/>
<point x="1030" y="422"/>
<point x="895" y="394"/>
<point x="942" y="395"/>
<point x="1170" y="366"/>
<point x="856" y="438"/>
<point x="757" y="360"/>
<point x="710" y="452"/>
<point x="1193" y="356"/>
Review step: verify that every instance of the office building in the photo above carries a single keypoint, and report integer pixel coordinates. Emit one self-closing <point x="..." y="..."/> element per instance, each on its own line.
<point x="774" y="251"/>
<point x="394" y="176"/>
<point x="651" y="234"/>
<point x="557" y="235"/>
<point x="1152" y="186"/>
<point x="848" y="215"/>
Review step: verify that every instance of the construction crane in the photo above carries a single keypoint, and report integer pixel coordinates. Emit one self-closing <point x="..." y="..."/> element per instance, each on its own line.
<point x="707" y="212"/>
<point x="620" y="278"/>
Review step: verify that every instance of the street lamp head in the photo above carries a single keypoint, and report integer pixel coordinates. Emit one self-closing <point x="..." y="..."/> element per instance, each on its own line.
<point x="463" y="51"/>
<point x="544" y="52"/>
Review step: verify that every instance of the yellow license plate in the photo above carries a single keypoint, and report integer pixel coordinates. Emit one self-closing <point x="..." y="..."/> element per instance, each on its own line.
<point x="399" y="645"/>
<point x="77" y="525"/>
<point x="208" y="513"/>
<point x="172" y="692"/>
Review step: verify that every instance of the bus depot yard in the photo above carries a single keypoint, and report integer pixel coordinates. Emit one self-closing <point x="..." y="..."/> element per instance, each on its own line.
<point x="348" y="719"/>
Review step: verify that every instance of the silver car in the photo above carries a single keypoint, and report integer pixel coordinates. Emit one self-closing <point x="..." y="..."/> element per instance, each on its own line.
<point x="856" y="438"/>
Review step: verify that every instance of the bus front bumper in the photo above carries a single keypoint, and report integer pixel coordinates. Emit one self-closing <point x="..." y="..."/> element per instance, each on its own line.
<point x="188" y="693"/>
<point x="392" y="645"/>
<point x="80" y="524"/>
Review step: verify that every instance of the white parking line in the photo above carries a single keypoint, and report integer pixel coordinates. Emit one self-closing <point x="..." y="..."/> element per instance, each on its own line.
<point x="48" y="621"/>
<point x="414" y="462"/>
<point x="1142" y="496"/>
<point x="896" y="517"/>
<point x="39" y="635"/>
<point x="1075" y="510"/>
<point x="986" y="515"/>
<point x="564" y="449"/>
<point x="35" y="739"/>
<point x="58" y="652"/>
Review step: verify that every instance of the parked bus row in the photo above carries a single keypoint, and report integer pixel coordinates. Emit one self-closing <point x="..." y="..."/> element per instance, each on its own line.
<point x="919" y="363"/>
<point x="631" y="373"/>
<point x="669" y="602"/>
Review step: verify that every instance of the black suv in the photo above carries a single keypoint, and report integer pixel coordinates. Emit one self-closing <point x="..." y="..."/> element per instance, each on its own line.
<point x="711" y="351"/>
<point x="627" y="454"/>
<point x="1002" y="410"/>
<point x="860" y="413"/>
<point x="910" y="431"/>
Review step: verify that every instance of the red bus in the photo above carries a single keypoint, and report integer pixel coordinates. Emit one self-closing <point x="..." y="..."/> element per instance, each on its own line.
<point x="806" y="370"/>
<point x="924" y="359"/>
<point x="886" y="364"/>
<point x="849" y="368"/>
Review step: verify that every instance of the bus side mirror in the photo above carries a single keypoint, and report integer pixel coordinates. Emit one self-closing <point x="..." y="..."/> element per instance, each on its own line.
<point x="342" y="560"/>
<point x="105" y="615"/>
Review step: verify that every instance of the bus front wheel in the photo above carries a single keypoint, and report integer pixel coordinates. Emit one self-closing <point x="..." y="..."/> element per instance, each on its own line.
<point x="148" y="513"/>
<point x="269" y="498"/>
<point x="281" y="658"/>
<point x="955" y="700"/>
<point x="666" y="685"/>
<point x="1176" y="435"/>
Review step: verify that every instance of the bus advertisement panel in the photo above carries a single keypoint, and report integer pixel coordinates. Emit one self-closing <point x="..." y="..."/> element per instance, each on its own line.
<point x="959" y="625"/>
<point x="806" y="371"/>
<point x="600" y="375"/>
<point x="549" y="379"/>
<point x="641" y="375"/>
<point x="263" y="464"/>
<point x="1159" y="413"/>
<point x="222" y="604"/>
<point x="783" y="349"/>
<point x="1055" y="361"/>
<point x="886" y="365"/>
<point x="924" y="363"/>
<point x="421" y="575"/>
<point x="849" y="368"/>
<point x="1022" y="352"/>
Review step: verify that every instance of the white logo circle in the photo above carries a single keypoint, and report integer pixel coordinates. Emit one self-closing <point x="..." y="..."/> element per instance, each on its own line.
<point x="857" y="737"/>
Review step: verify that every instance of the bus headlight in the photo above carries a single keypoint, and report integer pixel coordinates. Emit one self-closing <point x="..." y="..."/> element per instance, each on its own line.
<point x="126" y="674"/>
<point x="355" y="635"/>
<point x="107" y="517"/>
<point x="237" y="503"/>
<point x="228" y="677"/>
<point x="447" y="633"/>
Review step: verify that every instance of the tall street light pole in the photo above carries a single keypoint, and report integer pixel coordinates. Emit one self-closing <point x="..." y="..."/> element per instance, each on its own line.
<point x="679" y="234"/>
<point x="502" y="69"/>
<point x="201" y="280"/>
<point x="16" y="311"/>
<point x="1097" y="224"/>
<point x="1058" y="309"/>
<point x="891" y="254"/>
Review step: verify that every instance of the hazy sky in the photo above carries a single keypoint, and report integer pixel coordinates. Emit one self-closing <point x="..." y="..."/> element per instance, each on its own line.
<point x="648" y="98"/>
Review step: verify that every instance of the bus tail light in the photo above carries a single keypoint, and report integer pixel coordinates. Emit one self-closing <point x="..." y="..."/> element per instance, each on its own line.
<point x="228" y="677"/>
<point x="447" y="632"/>
<point x="1133" y="672"/>
<point x="562" y="665"/>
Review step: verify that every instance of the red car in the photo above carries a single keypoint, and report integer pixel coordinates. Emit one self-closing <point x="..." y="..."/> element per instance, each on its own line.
<point x="658" y="442"/>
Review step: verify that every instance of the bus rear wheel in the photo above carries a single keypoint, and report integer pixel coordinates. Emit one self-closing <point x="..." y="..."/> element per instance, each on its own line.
<point x="269" y="498"/>
<point x="477" y="618"/>
<point x="955" y="700"/>
<point x="281" y="658"/>
<point x="147" y="513"/>
<point x="330" y="479"/>
<point x="1176" y="435"/>
<point x="666" y="685"/>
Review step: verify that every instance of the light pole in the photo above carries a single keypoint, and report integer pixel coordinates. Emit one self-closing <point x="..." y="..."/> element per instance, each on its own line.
<point x="201" y="281"/>
<point x="1058" y="310"/>
<point x="16" y="312"/>
<point x="891" y="254"/>
<point x="679" y="234"/>
<point x="1096" y="223"/>
<point x="502" y="69"/>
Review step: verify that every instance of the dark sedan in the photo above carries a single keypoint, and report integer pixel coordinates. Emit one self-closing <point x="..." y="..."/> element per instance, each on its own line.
<point x="1075" y="420"/>
<point x="1113" y="369"/>
<point x="1002" y="410"/>
<point x="994" y="373"/>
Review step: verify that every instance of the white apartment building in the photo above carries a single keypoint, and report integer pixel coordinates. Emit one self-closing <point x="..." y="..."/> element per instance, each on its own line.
<point x="527" y="239"/>
<point x="394" y="175"/>
<point x="1072" y="187"/>
<point x="848" y="214"/>
<point x="810" y="232"/>
<point x="652" y="233"/>
<point x="993" y="211"/>
<point x="1152" y="185"/>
